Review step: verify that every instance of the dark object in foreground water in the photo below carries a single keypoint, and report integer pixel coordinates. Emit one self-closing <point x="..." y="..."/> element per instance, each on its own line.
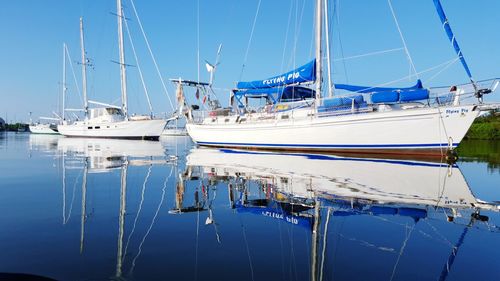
<point x="23" y="277"/>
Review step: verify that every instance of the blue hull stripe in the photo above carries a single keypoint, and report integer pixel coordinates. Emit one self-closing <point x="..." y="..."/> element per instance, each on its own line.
<point x="426" y="145"/>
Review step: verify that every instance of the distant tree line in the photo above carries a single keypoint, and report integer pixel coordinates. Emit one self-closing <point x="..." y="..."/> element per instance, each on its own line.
<point x="14" y="127"/>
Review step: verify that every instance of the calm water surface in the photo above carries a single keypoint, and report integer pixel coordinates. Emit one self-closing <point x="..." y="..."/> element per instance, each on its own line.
<point x="81" y="209"/>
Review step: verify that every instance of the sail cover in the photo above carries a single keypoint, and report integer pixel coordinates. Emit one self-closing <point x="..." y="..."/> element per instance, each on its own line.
<point x="453" y="40"/>
<point x="305" y="73"/>
<point x="368" y="89"/>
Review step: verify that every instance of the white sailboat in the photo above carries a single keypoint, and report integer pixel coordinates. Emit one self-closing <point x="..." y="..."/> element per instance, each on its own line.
<point x="112" y="121"/>
<point x="46" y="129"/>
<point x="412" y="121"/>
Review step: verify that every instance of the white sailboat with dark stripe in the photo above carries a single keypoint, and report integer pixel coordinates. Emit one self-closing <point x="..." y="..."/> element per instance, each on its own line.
<point x="110" y="121"/>
<point x="301" y="115"/>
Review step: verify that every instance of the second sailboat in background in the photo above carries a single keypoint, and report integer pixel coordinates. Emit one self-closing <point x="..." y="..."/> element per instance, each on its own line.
<point x="112" y="121"/>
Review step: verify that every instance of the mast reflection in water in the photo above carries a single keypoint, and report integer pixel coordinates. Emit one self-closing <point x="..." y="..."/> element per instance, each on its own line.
<point x="138" y="210"/>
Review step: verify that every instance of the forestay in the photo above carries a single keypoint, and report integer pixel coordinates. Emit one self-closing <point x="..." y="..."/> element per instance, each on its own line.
<point x="451" y="36"/>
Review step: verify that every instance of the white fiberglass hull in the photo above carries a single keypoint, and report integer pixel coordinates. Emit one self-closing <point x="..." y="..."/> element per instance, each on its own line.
<point x="42" y="129"/>
<point x="136" y="129"/>
<point x="412" y="131"/>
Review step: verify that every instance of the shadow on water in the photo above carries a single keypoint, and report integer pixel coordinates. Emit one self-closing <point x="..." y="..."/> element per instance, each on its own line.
<point x="481" y="151"/>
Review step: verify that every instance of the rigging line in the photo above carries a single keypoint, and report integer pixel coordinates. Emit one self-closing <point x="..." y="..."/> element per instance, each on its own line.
<point x="73" y="197"/>
<point x="444" y="129"/>
<point x="404" y="78"/>
<point x="433" y="228"/>
<point x="64" y="188"/>
<point x="152" y="221"/>
<point x="215" y="223"/>
<point x="152" y="55"/>
<point x="439" y="109"/>
<point x="281" y="247"/>
<point x="197" y="234"/>
<point x="439" y="127"/>
<point x="293" y="260"/>
<point x="198" y="39"/>
<point x="441" y="71"/>
<point x="312" y="32"/>
<point x="245" y="238"/>
<point x="286" y="37"/>
<point x="454" y="252"/>
<point x="74" y="75"/>
<point x="440" y="191"/>
<point x="324" y="243"/>
<point x="368" y="54"/>
<point x="336" y="11"/>
<point x="297" y="27"/>
<point x="250" y="40"/>
<point x="403" y="40"/>
<point x="138" y="66"/>
<point x="139" y="210"/>
<point x="401" y="251"/>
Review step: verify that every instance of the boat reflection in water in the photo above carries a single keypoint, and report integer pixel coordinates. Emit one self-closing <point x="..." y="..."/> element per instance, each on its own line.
<point x="43" y="143"/>
<point x="377" y="207"/>
<point x="108" y="156"/>
<point x="143" y="211"/>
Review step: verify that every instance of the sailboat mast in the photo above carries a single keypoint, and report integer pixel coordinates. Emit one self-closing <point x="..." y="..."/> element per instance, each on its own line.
<point x="327" y="41"/>
<point x="315" y="239"/>
<point x="84" y="70"/>
<point x="84" y="205"/>
<point x="319" y="25"/>
<point x="123" y="74"/>
<point x="121" y="219"/>
<point x="63" y="111"/>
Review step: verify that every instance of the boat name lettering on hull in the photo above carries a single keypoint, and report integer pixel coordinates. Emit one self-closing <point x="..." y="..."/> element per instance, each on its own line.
<point x="457" y="111"/>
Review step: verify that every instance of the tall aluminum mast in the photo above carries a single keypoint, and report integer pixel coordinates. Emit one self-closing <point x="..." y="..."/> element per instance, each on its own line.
<point x="84" y="70"/>
<point x="123" y="74"/>
<point x="327" y="41"/>
<point x="319" y="24"/>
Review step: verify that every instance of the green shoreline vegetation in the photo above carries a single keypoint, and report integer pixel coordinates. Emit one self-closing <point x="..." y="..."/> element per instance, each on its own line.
<point x="15" y="127"/>
<point x="481" y="142"/>
<point x="480" y="151"/>
<point x="485" y="128"/>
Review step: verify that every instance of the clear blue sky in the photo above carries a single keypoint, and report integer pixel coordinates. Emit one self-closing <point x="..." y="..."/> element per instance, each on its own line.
<point x="33" y="32"/>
